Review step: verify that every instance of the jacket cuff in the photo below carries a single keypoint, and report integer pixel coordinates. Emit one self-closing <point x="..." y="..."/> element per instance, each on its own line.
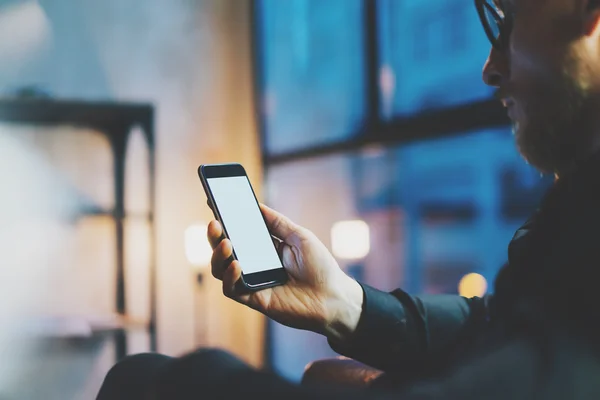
<point x="385" y="331"/>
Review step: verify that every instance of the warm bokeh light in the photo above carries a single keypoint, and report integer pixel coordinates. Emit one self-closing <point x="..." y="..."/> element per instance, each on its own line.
<point x="472" y="285"/>
<point x="350" y="240"/>
<point x="197" y="248"/>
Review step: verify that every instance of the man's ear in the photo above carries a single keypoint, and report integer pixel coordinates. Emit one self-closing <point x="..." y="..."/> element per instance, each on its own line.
<point x="591" y="17"/>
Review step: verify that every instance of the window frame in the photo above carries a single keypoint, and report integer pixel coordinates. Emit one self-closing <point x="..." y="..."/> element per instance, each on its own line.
<point x="428" y="124"/>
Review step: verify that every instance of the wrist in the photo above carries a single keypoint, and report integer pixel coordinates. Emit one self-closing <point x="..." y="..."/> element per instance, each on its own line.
<point x="345" y="309"/>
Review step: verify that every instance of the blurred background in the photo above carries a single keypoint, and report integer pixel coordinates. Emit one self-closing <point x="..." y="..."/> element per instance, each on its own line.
<point x="364" y="120"/>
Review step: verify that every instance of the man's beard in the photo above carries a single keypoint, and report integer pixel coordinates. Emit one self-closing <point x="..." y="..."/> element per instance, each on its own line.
<point x="553" y="136"/>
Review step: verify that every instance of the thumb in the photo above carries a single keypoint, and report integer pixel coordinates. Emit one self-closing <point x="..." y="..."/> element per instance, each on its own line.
<point x="279" y="225"/>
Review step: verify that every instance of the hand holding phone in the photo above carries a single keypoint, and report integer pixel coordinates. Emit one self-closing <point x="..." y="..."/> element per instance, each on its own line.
<point x="317" y="296"/>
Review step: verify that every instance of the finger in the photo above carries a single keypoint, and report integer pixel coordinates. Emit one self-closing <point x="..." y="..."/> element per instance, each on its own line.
<point x="279" y="225"/>
<point x="230" y="277"/>
<point x="214" y="233"/>
<point x="221" y="258"/>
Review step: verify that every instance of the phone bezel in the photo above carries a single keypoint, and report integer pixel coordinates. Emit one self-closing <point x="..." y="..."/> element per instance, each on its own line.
<point x="257" y="280"/>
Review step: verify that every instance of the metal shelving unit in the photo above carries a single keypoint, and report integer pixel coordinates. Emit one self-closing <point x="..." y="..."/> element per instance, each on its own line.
<point x="115" y="121"/>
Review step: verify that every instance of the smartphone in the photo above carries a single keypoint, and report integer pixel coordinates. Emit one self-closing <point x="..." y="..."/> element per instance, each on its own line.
<point x="235" y="206"/>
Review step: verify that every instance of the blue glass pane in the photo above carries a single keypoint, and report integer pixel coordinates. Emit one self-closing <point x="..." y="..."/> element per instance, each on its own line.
<point x="464" y="197"/>
<point x="432" y="54"/>
<point x="313" y="71"/>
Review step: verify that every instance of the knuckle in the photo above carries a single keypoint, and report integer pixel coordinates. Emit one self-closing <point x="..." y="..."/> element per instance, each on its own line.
<point x="221" y="249"/>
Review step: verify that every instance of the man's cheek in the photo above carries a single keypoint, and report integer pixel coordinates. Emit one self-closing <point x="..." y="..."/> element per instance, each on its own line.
<point x="531" y="47"/>
<point x="533" y="66"/>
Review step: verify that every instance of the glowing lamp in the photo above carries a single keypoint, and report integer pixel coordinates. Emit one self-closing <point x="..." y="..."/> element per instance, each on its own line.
<point x="350" y="240"/>
<point x="472" y="285"/>
<point x="197" y="249"/>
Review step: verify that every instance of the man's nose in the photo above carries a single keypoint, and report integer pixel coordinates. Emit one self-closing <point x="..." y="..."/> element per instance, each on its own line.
<point x="496" y="69"/>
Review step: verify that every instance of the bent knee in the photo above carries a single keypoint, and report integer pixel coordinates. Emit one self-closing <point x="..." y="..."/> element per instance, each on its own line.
<point x="131" y="376"/>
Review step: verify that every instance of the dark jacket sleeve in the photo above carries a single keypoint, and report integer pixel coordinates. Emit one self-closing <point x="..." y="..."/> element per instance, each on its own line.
<point x="397" y="328"/>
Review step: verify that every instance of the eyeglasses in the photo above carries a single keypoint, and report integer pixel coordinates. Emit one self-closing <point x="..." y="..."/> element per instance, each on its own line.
<point x="497" y="22"/>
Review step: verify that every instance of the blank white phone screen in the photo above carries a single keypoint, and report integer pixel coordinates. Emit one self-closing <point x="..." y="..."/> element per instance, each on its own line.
<point x="244" y="224"/>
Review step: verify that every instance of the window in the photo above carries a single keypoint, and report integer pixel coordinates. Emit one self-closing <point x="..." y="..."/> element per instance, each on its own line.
<point x="435" y="51"/>
<point x="312" y="71"/>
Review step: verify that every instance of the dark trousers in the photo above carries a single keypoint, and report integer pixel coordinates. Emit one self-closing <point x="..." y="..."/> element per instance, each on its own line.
<point x="556" y="369"/>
